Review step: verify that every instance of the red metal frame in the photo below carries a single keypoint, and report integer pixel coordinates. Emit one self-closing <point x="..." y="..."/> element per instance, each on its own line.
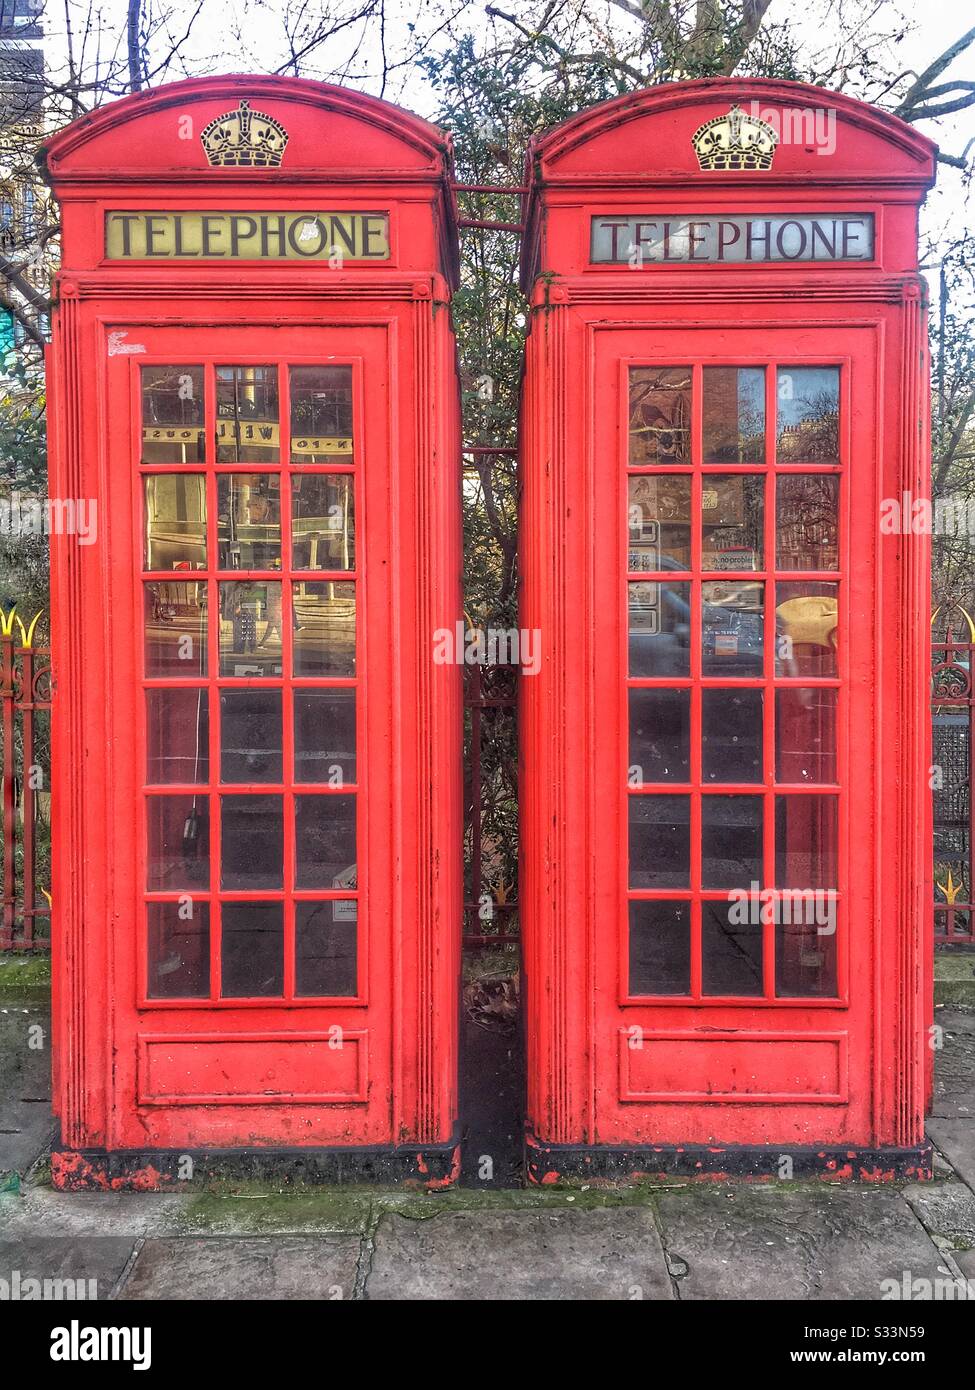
<point x="377" y="1072"/>
<point x="608" y="1069"/>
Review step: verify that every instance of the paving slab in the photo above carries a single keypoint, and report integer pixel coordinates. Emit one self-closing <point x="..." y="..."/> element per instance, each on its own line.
<point x="62" y="1267"/>
<point x="26" y="1122"/>
<point x="954" y="1083"/>
<point x="947" y="1211"/>
<point x="599" y="1254"/>
<point x="255" y="1268"/>
<point x="775" y="1243"/>
<point x="43" y="1210"/>
<point x="956" y="1140"/>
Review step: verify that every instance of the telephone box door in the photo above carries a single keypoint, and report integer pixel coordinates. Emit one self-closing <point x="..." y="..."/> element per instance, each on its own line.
<point x="250" y="530"/>
<point x="734" y="578"/>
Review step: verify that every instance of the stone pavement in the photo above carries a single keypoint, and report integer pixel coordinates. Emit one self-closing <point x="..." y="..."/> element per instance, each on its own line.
<point x="667" y="1241"/>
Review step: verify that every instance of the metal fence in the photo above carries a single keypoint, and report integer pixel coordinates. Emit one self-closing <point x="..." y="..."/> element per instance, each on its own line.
<point x="490" y="806"/>
<point x="953" y="769"/>
<point x="25" y="696"/>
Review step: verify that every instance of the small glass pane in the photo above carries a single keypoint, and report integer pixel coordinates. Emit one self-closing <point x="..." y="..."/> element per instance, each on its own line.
<point x="324" y="629"/>
<point x="732" y="628"/>
<point x="805" y="734"/>
<point x="660" y="416"/>
<point x="808" y="406"/>
<point x="659" y="521"/>
<point x="179" y="950"/>
<point x="732" y="521"/>
<point x="248" y="428"/>
<point x="734" y="414"/>
<point x="731" y="734"/>
<point x="660" y="736"/>
<point x="731" y="841"/>
<point x="731" y="948"/>
<point x="325" y="841"/>
<point x="177" y="735"/>
<point x="175" y="521"/>
<point x="250" y="628"/>
<point x="321" y="415"/>
<point x="325" y="948"/>
<point x="806" y="629"/>
<point x="660" y="841"/>
<point x="659" y="628"/>
<point x="172" y="415"/>
<point x="806" y="839"/>
<point x="806" y="521"/>
<point x="660" y="947"/>
<point x="322" y="521"/>
<point x="251" y="842"/>
<point x="176" y="629"/>
<point x="251" y="950"/>
<point x="250" y="735"/>
<point x="248" y="521"/>
<point x="325" y="736"/>
<point x="177" y="843"/>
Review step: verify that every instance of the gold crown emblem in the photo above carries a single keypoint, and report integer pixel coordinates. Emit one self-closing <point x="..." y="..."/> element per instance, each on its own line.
<point x="735" y="141"/>
<point x="245" y="137"/>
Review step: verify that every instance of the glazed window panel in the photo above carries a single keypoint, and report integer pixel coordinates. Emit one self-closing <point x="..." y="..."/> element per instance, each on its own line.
<point x="178" y="843"/>
<point x="321" y="415"/>
<point x="808" y="414"/>
<point x="324" y="629"/>
<point x="659" y="522"/>
<point x="731" y="950"/>
<point x="175" y="628"/>
<point x="732" y="734"/>
<point x="251" y="842"/>
<point x="732" y="628"/>
<point x="805" y="734"/>
<point x="323" y="521"/>
<point x="660" y="841"/>
<point x="807" y="521"/>
<point x="325" y="736"/>
<point x="173" y="429"/>
<point x="179" y="949"/>
<point x="250" y="736"/>
<point x="660" y="735"/>
<point x="252" y="950"/>
<point x="732" y="521"/>
<point x="731" y="841"/>
<point x="248" y="415"/>
<point x="177" y="735"/>
<point x="175" y="521"/>
<point x="658" y="638"/>
<point x="250" y="628"/>
<point x="660" y="947"/>
<point x="325" y="841"/>
<point x="734" y="414"/>
<point x="806" y="629"/>
<point x="659" y="416"/>
<point x="326" y="948"/>
<point x="248" y="521"/>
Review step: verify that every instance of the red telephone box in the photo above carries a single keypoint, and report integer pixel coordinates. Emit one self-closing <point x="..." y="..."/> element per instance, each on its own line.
<point x="725" y="790"/>
<point x="258" y="813"/>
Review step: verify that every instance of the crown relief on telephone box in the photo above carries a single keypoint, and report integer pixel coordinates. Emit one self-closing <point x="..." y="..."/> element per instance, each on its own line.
<point x="724" y="909"/>
<point x="252" y="355"/>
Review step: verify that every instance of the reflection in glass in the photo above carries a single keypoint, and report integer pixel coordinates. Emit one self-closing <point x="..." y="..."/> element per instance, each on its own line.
<point x="325" y="736"/>
<point x="321" y="415"/>
<point x="251" y="842"/>
<point x="325" y="948"/>
<point x="734" y="414"/>
<point x="172" y="415"/>
<point x="806" y="830"/>
<point x="251" y="950"/>
<point x="660" y="416"/>
<point x="660" y="947"/>
<point x="731" y="735"/>
<point x="731" y="949"/>
<point x="659" y="628"/>
<point x="322" y="521"/>
<point x="659" y="521"/>
<point x="248" y="521"/>
<point x="248" y="429"/>
<point x="732" y="628"/>
<point x="250" y="735"/>
<point x="177" y="735"/>
<point x="175" y="521"/>
<point x="250" y="628"/>
<point x="808" y="405"/>
<point x="325" y="841"/>
<point x="731" y="841"/>
<point x="177" y="843"/>
<point x="806" y="628"/>
<point x="806" y="521"/>
<point x="324" y="629"/>
<point x="175" y="629"/>
<point x="179" y="950"/>
<point x="732" y="520"/>
<point x="660" y="841"/>
<point x="805" y="734"/>
<point x="660" y="735"/>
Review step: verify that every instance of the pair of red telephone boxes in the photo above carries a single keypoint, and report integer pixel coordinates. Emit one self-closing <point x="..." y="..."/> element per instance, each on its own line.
<point x="258" y="797"/>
